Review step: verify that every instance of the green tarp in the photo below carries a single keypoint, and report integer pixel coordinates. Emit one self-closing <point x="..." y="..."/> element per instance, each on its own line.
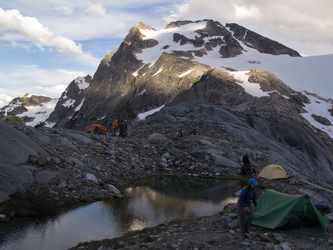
<point x="277" y="209"/>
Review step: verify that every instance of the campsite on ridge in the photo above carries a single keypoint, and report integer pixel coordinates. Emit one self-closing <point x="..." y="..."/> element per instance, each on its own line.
<point x="224" y="87"/>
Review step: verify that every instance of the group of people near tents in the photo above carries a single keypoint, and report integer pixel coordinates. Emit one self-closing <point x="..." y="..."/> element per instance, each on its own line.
<point x="111" y="128"/>
<point x="274" y="209"/>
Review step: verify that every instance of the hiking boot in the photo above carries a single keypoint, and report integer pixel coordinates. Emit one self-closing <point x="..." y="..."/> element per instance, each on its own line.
<point x="244" y="236"/>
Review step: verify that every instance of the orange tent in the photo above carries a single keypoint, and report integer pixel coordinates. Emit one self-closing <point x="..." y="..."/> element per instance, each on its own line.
<point x="96" y="128"/>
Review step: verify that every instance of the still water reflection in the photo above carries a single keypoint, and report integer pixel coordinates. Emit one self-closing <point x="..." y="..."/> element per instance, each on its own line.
<point x="143" y="206"/>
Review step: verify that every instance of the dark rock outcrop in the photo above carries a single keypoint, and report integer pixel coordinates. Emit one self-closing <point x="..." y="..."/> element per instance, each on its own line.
<point x="67" y="109"/>
<point x="258" y="42"/>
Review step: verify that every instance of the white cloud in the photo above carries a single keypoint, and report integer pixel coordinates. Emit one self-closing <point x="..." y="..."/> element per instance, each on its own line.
<point x="96" y="9"/>
<point x="52" y="90"/>
<point x="88" y="60"/>
<point x="12" y="20"/>
<point x="6" y="98"/>
<point x="23" y="46"/>
<point x="86" y="26"/>
<point x="24" y="79"/>
<point x="64" y="10"/>
<point x="244" y="12"/>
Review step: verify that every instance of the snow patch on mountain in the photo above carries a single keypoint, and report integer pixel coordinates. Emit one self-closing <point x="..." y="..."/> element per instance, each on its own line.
<point x="251" y="88"/>
<point x="80" y="105"/>
<point x="69" y="103"/>
<point x="11" y="107"/>
<point x="319" y="107"/>
<point x="40" y="113"/>
<point x="166" y="43"/>
<point x="159" y="71"/>
<point x="142" y="116"/>
<point x="81" y="83"/>
<point x="186" y="73"/>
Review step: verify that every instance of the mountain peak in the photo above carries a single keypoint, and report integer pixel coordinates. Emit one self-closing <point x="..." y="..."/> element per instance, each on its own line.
<point x="143" y="26"/>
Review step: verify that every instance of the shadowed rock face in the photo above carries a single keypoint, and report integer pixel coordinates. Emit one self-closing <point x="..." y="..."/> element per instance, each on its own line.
<point x="15" y="148"/>
<point x="258" y="42"/>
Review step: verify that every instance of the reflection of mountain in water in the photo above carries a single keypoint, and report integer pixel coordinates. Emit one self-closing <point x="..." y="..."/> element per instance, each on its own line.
<point x="163" y="200"/>
<point x="149" y="205"/>
<point x="214" y="190"/>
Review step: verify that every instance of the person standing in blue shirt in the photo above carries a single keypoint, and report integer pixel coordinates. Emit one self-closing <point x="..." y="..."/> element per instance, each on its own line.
<point x="245" y="211"/>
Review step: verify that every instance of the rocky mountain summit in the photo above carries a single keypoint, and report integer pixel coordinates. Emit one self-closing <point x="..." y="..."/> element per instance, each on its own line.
<point x="125" y="85"/>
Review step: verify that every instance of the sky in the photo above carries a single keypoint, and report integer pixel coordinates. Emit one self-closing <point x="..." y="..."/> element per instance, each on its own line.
<point x="45" y="44"/>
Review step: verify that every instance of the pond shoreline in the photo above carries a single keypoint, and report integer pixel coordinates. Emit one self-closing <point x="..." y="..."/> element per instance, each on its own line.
<point x="220" y="231"/>
<point x="142" y="206"/>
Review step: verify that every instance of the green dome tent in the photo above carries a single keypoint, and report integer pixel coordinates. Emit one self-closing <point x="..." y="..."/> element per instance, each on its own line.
<point x="277" y="209"/>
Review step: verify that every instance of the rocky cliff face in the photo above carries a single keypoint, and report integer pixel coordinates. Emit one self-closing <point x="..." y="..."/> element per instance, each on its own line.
<point x="66" y="111"/>
<point x="258" y="42"/>
<point x="124" y="85"/>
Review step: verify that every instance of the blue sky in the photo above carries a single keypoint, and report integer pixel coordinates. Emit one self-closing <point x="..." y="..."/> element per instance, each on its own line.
<point x="45" y="44"/>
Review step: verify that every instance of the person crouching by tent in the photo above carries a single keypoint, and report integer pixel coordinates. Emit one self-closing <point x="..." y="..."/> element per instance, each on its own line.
<point x="247" y="168"/>
<point x="244" y="207"/>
